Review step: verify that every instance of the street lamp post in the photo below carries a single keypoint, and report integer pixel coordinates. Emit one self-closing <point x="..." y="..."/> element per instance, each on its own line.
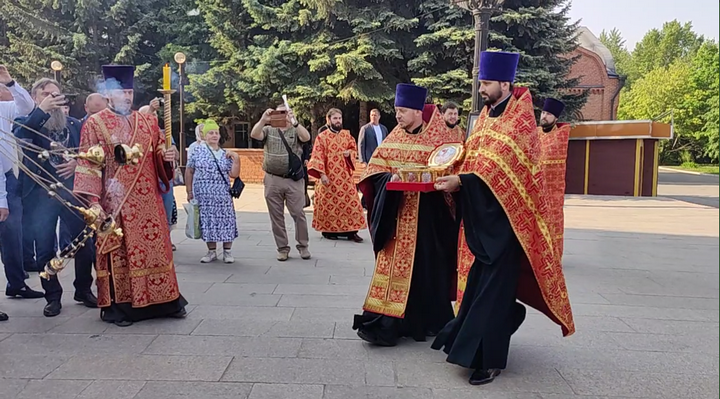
<point x="56" y="67"/>
<point x="482" y="11"/>
<point x="180" y="58"/>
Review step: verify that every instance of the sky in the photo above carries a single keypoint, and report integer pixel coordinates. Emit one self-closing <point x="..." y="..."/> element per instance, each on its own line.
<point x="633" y="18"/>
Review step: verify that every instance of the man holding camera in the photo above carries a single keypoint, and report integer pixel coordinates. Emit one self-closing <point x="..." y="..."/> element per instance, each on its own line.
<point x="283" y="137"/>
<point x="48" y="127"/>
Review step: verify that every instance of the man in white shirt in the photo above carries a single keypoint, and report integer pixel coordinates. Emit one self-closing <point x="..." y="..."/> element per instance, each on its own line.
<point x="14" y="102"/>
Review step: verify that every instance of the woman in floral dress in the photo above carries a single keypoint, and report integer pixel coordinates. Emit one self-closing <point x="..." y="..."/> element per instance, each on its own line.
<point x="207" y="179"/>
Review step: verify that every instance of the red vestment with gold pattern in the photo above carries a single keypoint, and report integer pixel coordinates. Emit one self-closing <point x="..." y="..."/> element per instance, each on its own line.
<point x="390" y="284"/>
<point x="337" y="207"/>
<point x="553" y="162"/>
<point x="137" y="268"/>
<point x="504" y="153"/>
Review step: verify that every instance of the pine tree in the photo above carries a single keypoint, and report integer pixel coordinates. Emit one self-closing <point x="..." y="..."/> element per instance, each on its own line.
<point x="544" y="35"/>
<point x="84" y="35"/>
<point x="445" y="48"/>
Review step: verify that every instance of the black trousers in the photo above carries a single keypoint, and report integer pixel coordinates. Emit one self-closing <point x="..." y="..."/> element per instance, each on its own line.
<point x="42" y="213"/>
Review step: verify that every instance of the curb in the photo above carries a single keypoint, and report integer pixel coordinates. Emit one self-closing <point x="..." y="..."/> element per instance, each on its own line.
<point x="687" y="172"/>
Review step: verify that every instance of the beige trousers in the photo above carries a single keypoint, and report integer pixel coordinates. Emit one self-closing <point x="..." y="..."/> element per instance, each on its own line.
<point x="281" y="192"/>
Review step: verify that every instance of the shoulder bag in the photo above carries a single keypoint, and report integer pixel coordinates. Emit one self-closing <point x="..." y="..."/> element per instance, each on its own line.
<point x="295" y="171"/>
<point x="238" y="185"/>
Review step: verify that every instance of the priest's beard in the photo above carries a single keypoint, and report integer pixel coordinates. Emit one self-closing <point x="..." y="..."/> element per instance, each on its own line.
<point x="490" y="98"/>
<point x="57" y="121"/>
<point x="544" y="123"/>
<point x="336" y="127"/>
<point x="122" y="107"/>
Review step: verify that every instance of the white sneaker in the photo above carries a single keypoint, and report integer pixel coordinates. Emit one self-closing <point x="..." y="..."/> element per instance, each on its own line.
<point x="210" y="257"/>
<point x="227" y="256"/>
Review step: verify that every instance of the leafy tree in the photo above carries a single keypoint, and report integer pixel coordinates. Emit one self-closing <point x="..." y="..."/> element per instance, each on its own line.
<point x="655" y="96"/>
<point x="702" y="104"/>
<point x="661" y="47"/>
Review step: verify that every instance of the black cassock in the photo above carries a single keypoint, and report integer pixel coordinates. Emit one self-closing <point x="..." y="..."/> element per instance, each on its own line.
<point x="479" y="337"/>
<point x="429" y="305"/>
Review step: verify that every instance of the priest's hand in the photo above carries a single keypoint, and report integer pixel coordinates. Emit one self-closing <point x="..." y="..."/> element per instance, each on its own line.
<point x="170" y="154"/>
<point x="395" y="177"/>
<point x="67" y="170"/>
<point x="324" y="180"/>
<point x="346" y="153"/>
<point x="448" y="184"/>
<point x="155" y="104"/>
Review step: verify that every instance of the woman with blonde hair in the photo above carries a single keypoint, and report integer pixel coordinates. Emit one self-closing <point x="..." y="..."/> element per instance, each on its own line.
<point x="207" y="179"/>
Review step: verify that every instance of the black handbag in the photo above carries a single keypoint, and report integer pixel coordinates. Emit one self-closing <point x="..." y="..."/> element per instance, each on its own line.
<point x="295" y="171"/>
<point x="238" y="185"/>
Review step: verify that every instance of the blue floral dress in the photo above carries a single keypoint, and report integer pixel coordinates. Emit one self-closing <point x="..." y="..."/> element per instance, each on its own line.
<point x="211" y="190"/>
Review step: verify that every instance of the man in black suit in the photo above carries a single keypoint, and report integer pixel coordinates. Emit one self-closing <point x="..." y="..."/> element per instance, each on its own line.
<point x="370" y="137"/>
<point x="45" y="124"/>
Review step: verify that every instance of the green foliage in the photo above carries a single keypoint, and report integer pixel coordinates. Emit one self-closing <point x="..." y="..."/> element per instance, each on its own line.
<point x="541" y="31"/>
<point x="244" y="54"/>
<point x="661" y="47"/>
<point x="674" y="76"/>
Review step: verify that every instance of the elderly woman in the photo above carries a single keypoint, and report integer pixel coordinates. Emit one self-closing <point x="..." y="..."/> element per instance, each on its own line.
<point x="206" y="180"/>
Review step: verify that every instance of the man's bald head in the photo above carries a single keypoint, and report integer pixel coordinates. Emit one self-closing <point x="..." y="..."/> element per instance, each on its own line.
<point x="95" y="103"/>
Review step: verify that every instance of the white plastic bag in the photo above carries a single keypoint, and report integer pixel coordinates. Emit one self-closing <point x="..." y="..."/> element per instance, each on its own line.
<point x="192" y="226"/>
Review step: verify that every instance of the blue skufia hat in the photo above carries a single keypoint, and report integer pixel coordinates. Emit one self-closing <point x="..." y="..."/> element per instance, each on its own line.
<point x="118" y="76"/>
<point x="553" y="106"/>
<point x="410" y="96"/>
<point x="498" y="66"/>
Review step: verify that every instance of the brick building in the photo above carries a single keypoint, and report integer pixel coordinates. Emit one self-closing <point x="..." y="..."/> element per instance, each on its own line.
<point x="596" y="70"/>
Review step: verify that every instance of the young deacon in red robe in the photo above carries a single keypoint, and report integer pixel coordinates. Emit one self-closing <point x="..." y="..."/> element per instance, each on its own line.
<point x="135" y="272"/>
<point x="506" y="248"/>
<point x="414" y="234"/>
<point x="554" y="138"/>
<point x="337" y="211"/>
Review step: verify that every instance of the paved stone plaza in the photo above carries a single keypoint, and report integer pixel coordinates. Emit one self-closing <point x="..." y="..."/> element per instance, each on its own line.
<point x="643" y="281"/>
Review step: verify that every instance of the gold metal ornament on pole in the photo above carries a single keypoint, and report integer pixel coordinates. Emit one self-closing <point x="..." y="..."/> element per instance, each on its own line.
<point x="167" y="116"/>
<point x="124" y="154"/>
<point x="57" y="68"/>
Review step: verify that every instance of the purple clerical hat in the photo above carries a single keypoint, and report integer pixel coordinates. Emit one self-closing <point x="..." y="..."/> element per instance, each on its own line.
<point x="118" y="76"/>
<point x="553" y="106"/>
<point x="498" y="66"/>
<point x="410" y="96"/>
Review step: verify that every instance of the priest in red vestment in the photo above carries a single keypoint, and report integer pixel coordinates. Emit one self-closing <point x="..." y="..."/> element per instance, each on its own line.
<point x="554" y="138"/>
<point x="337" y="212"/>
<point x="135" y="272"/>
<point x="414" y="234"/>
<point x="506" y="250"/>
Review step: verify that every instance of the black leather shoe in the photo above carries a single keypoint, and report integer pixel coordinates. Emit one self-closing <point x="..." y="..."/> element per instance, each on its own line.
<point x="52" y="309"/>
<point x="180" y="314"/>
<point x="481" y="377"/>
<point x="89" y="299"/>
<point x="24" y="292"/>
<point x="3" y="316"/>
